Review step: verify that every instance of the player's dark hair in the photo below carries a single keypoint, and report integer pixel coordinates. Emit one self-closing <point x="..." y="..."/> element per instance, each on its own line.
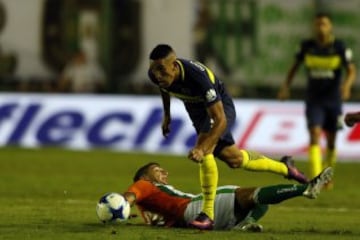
<point x="160" y="51"/>
<point x="143" y="170"/>
<point x="323" y="14"/>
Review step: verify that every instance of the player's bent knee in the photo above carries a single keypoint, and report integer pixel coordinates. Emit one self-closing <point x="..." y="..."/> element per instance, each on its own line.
<point x="232" y="163"/>
<point x="232" y="156"/>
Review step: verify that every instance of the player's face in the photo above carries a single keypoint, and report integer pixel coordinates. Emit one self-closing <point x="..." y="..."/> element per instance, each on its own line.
<point x="323" y="26"/>
<point x="158" y="174"/>
<point x="164" y="70"/>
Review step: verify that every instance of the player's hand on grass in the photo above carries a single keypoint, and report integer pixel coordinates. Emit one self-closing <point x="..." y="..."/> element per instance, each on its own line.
<point x="165" y="126"/>
<point x="196" y="155"/>
<point x="153" y="218"/>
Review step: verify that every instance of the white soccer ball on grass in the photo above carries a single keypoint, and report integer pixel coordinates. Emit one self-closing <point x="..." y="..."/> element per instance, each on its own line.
<point x="112" y="207"/>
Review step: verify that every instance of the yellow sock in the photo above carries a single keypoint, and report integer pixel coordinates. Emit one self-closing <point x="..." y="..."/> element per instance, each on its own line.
<point x="330" y="159"/>
<point x="315" y="160"/>
<point x="208" y="181"/>
<point x="254" y="161"/>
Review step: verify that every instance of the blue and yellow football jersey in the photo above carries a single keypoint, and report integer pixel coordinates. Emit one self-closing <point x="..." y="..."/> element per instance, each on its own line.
<point x="197" y="85"/>
<point x="324" y="66"/>
<point x="198" y="88"/>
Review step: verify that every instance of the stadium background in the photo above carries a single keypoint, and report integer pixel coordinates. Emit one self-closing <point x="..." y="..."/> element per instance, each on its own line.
<point x="252" y="41"/>
<point x="49" y="187"/>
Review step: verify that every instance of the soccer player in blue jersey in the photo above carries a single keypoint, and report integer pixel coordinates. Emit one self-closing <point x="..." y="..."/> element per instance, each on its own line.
<point x="212" y="113"/>
<point x="324" y="58"/>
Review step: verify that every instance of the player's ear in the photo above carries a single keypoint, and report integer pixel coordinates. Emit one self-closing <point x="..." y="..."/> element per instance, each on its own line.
<point x="171" y="59"/>
<point x="174" y="64"/>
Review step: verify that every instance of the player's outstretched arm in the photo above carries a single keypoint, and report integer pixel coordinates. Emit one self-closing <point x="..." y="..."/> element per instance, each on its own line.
<point x="130" y="197"/>
<point x="348" y="81"/>
<point x="284" y="92"/>
<point x="206" y="142"/>
<point x="217" y="114"/>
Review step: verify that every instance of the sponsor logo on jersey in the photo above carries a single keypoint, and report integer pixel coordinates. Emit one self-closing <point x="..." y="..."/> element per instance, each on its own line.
<point x="210" y="95"/>
<point x="348" y="54"/>
<point x="321" y="73"/>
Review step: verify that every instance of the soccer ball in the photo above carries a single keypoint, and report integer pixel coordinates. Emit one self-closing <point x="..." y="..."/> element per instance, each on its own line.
<point x="112" y="207"/>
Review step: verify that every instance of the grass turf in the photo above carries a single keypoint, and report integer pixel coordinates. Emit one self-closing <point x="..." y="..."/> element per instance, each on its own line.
<point x="52" y="193"/>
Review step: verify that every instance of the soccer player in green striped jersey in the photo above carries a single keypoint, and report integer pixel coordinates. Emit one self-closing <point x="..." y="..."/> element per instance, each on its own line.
<point x="235" y="207"/>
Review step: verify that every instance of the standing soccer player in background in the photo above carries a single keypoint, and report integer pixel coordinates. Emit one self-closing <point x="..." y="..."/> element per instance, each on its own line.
<point x="212" y="113"/>
<point x="323" y="57"/>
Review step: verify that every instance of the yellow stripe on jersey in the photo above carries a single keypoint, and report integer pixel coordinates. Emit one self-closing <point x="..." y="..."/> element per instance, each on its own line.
<point x="210" y="74"/>
<point x="322" y="62"/>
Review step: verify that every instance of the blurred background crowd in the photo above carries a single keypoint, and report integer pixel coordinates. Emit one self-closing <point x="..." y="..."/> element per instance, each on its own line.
<point x="102" y="46"/>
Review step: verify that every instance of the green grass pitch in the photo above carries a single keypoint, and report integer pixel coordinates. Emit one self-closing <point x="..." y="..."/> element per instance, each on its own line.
<point x="52" y="193"/>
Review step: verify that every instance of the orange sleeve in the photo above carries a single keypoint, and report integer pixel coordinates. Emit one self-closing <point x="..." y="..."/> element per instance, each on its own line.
<point x="141" y="189"/>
